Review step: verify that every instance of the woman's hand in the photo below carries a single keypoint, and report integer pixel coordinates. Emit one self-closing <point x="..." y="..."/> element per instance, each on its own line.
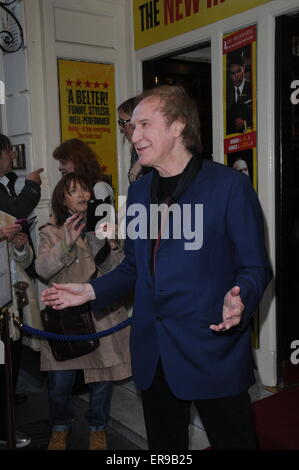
<point x="20" y="240"/>
<point x="9" y="231"/>
<point x="73" y="227"/>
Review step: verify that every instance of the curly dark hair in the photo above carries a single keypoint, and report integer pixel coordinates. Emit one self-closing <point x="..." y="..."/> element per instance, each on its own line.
<point x="83" y="157"/>
<point x="60" y="211"/>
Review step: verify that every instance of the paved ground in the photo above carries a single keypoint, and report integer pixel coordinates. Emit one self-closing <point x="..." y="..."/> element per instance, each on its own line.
<point x="32" y="416"/>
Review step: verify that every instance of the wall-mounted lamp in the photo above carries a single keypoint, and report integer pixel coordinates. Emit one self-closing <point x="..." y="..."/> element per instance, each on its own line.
<point x="11" y="39"/>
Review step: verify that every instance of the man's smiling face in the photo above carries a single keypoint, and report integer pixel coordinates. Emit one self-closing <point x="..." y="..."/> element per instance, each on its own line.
<point x="153" y="138"/>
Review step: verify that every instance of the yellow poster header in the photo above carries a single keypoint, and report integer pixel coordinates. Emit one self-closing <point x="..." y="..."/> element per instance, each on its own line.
<point x="158" y="20"/>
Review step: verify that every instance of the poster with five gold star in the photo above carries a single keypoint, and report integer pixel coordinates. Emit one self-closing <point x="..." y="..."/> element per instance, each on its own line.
<point x="87" y="110"/>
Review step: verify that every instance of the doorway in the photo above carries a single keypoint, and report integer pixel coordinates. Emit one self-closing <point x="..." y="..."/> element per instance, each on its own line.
<point x="287" y="197"/>
<point x="190" y="68"/>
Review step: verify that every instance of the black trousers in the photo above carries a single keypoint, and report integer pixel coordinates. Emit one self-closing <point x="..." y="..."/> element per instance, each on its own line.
<point x="228" y="421"/>
<point x="16" y="348"/>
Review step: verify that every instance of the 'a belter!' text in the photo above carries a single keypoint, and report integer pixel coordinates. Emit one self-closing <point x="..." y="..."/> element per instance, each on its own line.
<point x="88" y="107"/>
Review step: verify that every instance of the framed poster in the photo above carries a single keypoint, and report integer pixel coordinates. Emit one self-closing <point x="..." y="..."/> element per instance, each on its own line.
<point x="239" y="70"/>
<point x="5" y="279"/>
<point x="19" y="163"/>
<point x="88" y="112"/>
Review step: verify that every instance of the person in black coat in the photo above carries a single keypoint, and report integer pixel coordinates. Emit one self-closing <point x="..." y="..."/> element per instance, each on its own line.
<point x="19" y="206"/>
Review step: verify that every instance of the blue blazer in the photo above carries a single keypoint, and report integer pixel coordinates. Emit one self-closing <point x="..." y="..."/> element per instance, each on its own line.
<point x="174" y="308"/>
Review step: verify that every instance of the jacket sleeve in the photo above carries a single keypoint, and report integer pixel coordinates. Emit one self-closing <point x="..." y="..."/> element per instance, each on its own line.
<point x="111" y="257"/>
<point x="24" y="203"/>
<point x="116" y="284"/>
<point x="246" y="230"/>
<point x="52" y="258"/>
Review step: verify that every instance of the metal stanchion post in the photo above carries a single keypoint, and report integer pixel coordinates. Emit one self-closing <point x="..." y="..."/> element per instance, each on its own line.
<point x="9" y="388"/>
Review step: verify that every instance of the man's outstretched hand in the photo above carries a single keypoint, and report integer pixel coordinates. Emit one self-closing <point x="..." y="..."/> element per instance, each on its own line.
<point x="232" y="310"/>
<point x="61" y="296"/>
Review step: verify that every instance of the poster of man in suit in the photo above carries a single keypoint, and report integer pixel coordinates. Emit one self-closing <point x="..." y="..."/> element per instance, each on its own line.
<point x="239" y="91"/>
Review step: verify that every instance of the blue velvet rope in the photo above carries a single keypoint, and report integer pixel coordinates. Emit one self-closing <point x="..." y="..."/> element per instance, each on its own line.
<point x="57" y="337"/>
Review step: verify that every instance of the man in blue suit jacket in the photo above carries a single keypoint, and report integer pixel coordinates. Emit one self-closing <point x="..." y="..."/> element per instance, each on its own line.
<point x="196" y="284"/>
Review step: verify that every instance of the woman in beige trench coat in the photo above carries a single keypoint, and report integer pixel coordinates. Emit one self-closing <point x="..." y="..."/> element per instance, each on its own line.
<point x="65" y="255"/>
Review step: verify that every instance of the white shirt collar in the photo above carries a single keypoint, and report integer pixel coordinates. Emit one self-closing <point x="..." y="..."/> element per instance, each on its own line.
<point x="240" y="88"/>
<point x="4" y="180"/>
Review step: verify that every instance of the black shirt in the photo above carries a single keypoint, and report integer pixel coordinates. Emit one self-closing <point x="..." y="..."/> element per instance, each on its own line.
<point x="166" y="187"/>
